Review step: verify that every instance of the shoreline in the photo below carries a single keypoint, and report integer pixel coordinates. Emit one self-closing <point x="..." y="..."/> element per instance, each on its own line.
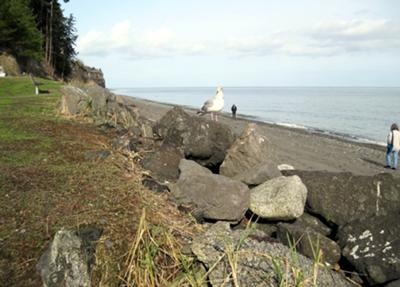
<point x="300" y="148"/>
<point x="353" y="139"/>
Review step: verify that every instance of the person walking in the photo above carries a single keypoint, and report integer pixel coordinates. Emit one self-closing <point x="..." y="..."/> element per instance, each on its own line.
<point x="234" y="109"/>
<point x="393" y="146"/>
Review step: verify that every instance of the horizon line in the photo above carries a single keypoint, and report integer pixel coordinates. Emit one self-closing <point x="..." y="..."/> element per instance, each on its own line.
<point x="171" y="87"/>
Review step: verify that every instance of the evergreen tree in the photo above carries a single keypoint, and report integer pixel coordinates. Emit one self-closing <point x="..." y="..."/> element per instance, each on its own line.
<point x="38" y="29"/>
<point x="18" y="33"/>
<point x="58" y="33"/>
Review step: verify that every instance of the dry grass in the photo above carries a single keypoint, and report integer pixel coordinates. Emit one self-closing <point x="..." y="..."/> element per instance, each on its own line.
<point x="46" y="183"/>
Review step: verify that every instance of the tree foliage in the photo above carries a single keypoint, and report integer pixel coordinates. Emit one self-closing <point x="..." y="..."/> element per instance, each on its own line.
<point x="18" y="32"/>
<point x="38" y="29"/>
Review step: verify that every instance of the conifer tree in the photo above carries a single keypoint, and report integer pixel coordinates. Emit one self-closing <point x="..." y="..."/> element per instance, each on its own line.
<point x="18" y="33"/>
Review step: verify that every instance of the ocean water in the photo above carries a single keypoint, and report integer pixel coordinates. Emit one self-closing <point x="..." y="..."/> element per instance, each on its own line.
<point x="358" y="113"/>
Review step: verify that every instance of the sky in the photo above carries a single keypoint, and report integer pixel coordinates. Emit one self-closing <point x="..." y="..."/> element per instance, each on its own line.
<point x="178" y="43"/>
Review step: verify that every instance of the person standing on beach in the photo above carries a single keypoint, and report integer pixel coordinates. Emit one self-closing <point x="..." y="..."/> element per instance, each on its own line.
<point x="234" y="109"/>
<point x="393" y="146"/>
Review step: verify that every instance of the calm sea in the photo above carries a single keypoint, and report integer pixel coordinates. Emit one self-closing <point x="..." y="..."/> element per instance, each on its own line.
<point x="363" y="114"/>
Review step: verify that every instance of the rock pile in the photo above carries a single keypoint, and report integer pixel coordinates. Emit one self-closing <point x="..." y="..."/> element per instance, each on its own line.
<point x="333" y="218"/>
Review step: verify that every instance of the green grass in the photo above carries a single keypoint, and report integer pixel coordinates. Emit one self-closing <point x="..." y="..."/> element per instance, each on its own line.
<point x="22" y="114"/>
<point x="46" y="184"/>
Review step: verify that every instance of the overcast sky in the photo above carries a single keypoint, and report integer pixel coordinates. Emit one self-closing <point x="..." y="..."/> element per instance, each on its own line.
<point x="160" y="43"/>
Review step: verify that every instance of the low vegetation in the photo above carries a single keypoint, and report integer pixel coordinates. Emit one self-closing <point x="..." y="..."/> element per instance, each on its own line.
<point x="47" y="183"/>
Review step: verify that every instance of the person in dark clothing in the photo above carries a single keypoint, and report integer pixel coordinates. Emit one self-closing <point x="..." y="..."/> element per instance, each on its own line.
<point x="234" y="109"/>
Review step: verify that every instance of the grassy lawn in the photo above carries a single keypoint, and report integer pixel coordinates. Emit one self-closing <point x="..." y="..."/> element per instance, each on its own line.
<point x="46" y="184"/>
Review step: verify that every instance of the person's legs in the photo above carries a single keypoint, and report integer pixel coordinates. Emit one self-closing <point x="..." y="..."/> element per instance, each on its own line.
<point x="395" y="158"/>
<point x="388" y="154"/>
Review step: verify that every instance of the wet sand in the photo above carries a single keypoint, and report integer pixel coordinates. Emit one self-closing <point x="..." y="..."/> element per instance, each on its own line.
<point x="304" y="150"/>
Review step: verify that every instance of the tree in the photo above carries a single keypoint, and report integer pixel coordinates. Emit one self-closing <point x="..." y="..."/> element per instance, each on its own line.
<point x="18" y="33"/>
<point x="59" y="35"/>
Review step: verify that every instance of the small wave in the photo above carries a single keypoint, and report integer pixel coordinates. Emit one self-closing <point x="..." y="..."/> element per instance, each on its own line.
<point x="292" y="126"/>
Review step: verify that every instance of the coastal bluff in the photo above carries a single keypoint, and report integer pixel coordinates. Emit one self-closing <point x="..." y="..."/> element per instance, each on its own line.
<point x="336" y="218"/>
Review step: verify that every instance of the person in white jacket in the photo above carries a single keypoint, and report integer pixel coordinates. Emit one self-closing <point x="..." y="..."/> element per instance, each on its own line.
<point x="393" y="146"/>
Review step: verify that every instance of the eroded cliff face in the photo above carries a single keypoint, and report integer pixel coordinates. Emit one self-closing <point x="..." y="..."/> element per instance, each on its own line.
<point x="86" y="74"/>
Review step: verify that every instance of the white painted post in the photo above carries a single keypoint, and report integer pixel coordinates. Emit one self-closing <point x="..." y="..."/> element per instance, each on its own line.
<point x="36" y="90"/>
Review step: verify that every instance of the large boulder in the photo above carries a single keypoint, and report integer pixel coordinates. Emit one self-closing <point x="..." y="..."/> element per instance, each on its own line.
<point x="344" y="197"/>
<point x="99" y="97"/>
<point x="70" y="258"/>
<point x="215" y="196"/>
<point x="249" y="258"/>
<point x="281" y="198"/>
<point x="163" y="163"/>
<point x="308" y="242"/>
<point x="201" y="140"/>
<point x="74" y="101"/>
<point x="98" y="103"/>
<point x="372" y="246"/>
<point x="251" y="149"/>
<point x="259" y="174"/>
<point x="191" y="168"/>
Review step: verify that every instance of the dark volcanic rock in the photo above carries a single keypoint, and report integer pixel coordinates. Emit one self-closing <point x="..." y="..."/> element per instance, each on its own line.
<point x="372" y="246"/>
<point x="70" y="258"/>
<point x="215" y="196"/>
<point x="309" y="221"/>
<point x="201" y="140"/>
<point x="343" y="197"/>
<point x="164" y="162"/>
<point x="309" y="242"/>
<point x="250" y="150"/>
<point x="256" y="259"/>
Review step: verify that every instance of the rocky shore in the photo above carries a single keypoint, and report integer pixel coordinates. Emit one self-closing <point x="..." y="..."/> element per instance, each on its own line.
<point x="281" y="207"/>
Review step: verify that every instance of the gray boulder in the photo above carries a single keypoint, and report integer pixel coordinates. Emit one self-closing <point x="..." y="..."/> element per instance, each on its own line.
<point x="281" y="198"/>
<point x="98" y="103"/>
<point x="99" y="98"/>
<point x="70" y="258"/>
<point x="191" y="168"/>
<point x="344" y="197"/>
<point x="249" y="258"/>
<point x="215" y="196"/>
<point x="251" y="149"/>
<point x="259" y="174"/>
<point x="308" y="242"/>
<point x="74" y="101"/>
<point x="372" y="246"/>
<point x="201" y="140"/>
<point x="163" y="163"/>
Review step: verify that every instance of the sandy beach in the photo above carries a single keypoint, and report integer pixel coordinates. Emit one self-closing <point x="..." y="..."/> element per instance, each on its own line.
<point x="304" y="150"/>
